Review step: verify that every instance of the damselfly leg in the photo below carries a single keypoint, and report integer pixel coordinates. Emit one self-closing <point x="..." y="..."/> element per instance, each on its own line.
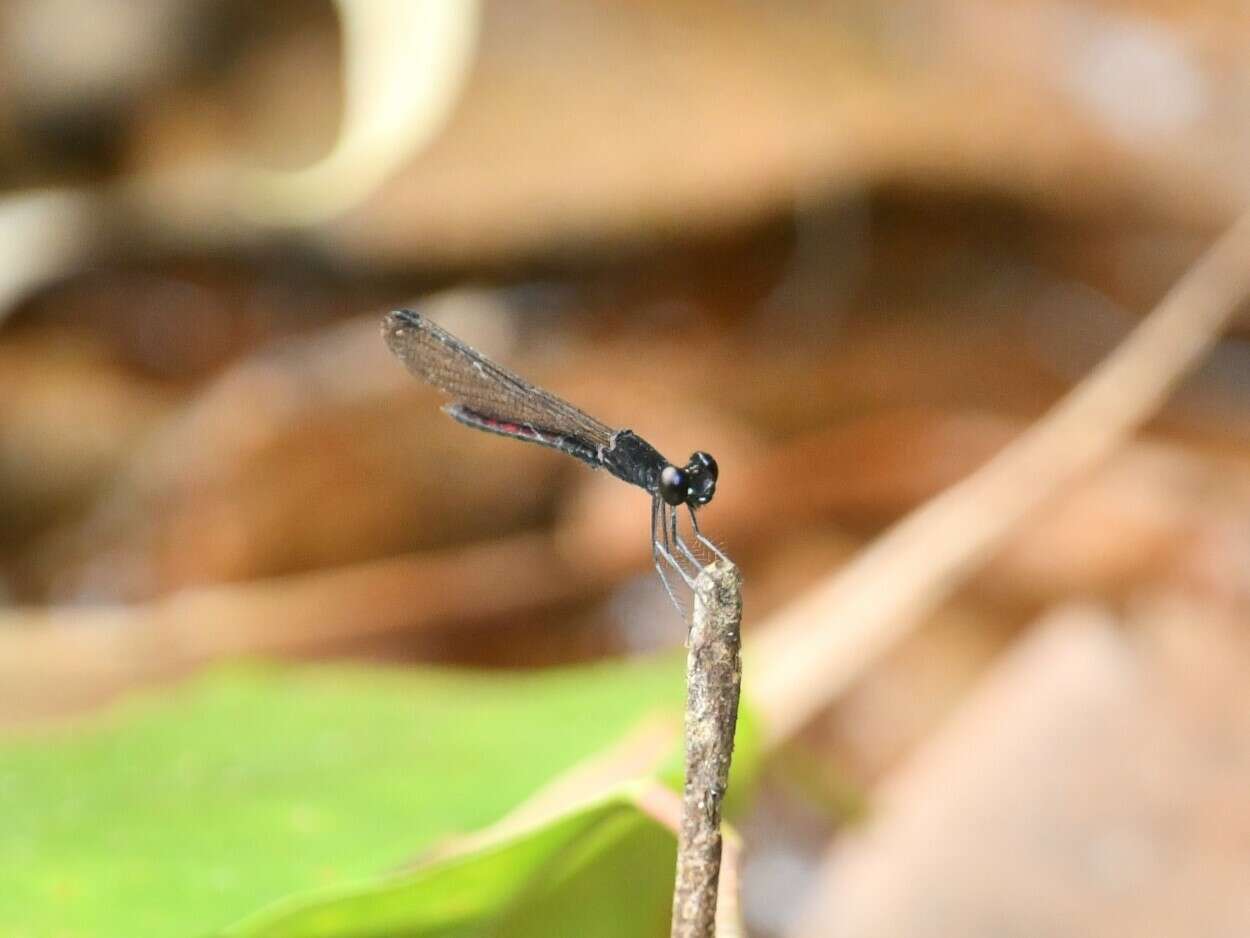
<point x="676" y="540"/>
<point x="660" y="551"/>
<point x="668" y="545"/>
<point x="698" y="536"/>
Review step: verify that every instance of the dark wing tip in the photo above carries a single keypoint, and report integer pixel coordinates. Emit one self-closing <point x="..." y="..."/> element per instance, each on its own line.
<point x="402" y="318"/>
<point x="396" y="323"/>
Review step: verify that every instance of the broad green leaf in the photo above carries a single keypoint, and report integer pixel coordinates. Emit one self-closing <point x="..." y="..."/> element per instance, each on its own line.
<point x="177" y="814"/>
<point x="604" y="870"/>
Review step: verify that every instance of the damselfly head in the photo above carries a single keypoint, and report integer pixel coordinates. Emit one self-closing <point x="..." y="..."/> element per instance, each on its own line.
<point x="693" y="485"/>
<point x="674" y="485"/>
<point x="704" y="463"/>
<point x="701" y="473"/>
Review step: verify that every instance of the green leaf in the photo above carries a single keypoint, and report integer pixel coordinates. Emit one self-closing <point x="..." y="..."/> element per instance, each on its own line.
<point x="177" y="815"/>
<point x="604" y="870"/>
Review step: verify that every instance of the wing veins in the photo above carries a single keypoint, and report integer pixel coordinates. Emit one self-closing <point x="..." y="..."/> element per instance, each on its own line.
<point x="470" y="378"/>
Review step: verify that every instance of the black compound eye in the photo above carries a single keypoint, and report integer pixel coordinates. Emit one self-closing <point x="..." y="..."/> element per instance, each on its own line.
<point x="672" y="485"/>
<point x="707" y="462"/>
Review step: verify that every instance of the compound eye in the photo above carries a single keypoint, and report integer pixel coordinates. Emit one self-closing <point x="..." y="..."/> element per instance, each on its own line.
<point x="707" y="462"/>
<point x="672" y="485"/>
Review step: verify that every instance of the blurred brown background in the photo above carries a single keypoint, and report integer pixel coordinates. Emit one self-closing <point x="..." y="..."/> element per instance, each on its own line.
<point x="850" y="248"/>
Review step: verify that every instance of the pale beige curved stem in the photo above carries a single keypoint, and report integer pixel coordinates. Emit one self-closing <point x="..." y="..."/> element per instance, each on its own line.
<point x="815" y="647"/>
<point x="405" y="63"/>
<point x="46" y="233"/>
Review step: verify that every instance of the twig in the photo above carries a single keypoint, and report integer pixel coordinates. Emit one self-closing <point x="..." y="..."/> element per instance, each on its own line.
<point x="729" y="922"/>
<point x="819" y="644"/>
<point x="713" y="680"/>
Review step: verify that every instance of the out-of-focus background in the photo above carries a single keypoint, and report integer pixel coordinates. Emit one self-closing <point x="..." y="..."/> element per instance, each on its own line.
<point x="852" y="249"/>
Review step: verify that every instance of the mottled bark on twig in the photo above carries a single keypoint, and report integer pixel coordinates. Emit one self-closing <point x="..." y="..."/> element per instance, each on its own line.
<point x="713" y="682"/>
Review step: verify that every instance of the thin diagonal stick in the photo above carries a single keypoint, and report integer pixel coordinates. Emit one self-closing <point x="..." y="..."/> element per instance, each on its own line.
<point x="816" y="646"/>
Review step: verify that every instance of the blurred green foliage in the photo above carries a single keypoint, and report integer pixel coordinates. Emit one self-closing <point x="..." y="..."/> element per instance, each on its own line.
<point x="180" y="813"/>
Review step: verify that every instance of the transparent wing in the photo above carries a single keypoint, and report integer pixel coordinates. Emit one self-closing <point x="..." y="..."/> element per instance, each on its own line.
<point x="466" y="376"/>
